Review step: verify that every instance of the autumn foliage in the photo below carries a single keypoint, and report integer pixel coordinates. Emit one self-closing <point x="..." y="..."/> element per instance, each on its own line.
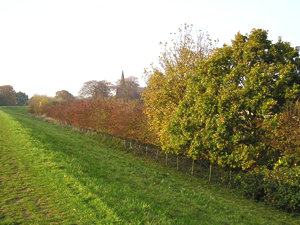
<point x="236" y="107"/>
<point x="121" y="119"/>
<point x="230" y="109"/>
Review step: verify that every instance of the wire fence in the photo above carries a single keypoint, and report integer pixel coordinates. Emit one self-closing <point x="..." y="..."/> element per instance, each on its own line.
<point x="199" y="168"/>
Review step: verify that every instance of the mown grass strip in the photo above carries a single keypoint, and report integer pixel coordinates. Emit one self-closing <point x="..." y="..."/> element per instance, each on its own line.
<point x="35" y="189"/>
<point x="51" y="174"/>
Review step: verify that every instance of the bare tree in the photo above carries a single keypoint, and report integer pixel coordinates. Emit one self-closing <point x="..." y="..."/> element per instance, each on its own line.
<point x="96" y="89"/>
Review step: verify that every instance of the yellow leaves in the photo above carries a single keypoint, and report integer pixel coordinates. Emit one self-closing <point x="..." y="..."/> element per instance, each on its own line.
<point x="167" y="86"/>
<point x="37" y="102"/>
<point x="225" y="99"/>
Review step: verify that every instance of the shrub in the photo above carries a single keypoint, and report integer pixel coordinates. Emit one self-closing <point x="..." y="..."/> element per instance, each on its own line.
<point x="122" y="119"/>
<point x="252" y="185"/>
<point x="38" y="104"/>
<point x="279" y="187"/>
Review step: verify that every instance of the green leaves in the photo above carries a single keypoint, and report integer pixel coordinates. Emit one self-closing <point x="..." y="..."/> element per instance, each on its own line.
<point x="231" y="95"/>
<point x="167" y="84"/>
<point x="7" y="95"/>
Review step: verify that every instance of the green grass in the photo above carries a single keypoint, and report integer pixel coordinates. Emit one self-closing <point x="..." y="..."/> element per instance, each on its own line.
<point x="52" y="175"/>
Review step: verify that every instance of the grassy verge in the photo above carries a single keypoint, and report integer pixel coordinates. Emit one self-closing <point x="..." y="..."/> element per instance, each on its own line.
<point x="51" y="174"/>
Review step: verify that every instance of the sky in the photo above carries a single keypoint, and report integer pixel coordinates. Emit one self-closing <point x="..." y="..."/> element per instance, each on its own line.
<point x="52" y="45"/>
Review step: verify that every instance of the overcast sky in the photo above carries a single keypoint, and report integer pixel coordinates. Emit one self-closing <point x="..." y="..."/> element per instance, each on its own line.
<point x="47" y="46"/>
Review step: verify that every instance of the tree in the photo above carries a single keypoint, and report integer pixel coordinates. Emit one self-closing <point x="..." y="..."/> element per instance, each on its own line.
<point x="96" y="89"/>
<point x="21" y="98"/>
<point x="235" y="92"/>
<point x="7" y="95"/>
<point x="64" y="96"/>
<point x="2" y="100"/>
<point x="37" y="104"/>
<point x="166" y="85"/>
<point x="128" y="88"/>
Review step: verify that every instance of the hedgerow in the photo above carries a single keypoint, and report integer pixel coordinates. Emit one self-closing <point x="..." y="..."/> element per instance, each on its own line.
<point x="236" y="107"/>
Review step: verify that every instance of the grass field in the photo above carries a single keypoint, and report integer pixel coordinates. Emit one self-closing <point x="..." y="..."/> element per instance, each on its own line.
<point x="53" y="175"/>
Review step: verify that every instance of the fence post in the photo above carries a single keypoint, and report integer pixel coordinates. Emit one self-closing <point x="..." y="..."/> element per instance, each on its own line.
<point x="229" y="177"/>
<point x="210" y="168"/>
<point x="193" y="167"/>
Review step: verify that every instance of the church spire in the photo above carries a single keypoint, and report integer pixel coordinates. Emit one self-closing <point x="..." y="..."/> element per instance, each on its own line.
<point x="121" y="88"/>
<point x="122" y="82"/>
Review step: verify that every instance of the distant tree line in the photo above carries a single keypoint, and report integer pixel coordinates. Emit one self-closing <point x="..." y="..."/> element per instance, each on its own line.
<point x="8" y="96"/>
<point x="125" y="89"/>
